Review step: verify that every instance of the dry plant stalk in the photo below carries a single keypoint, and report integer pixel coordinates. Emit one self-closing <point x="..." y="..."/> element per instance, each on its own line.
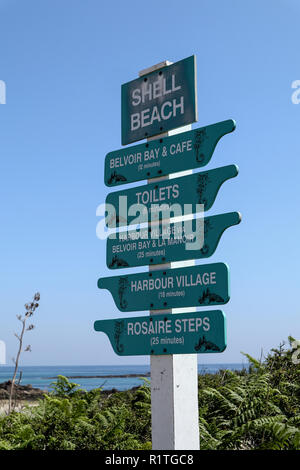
<point x="30" y="309"/>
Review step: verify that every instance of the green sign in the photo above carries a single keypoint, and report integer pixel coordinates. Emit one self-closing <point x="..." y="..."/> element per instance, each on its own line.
<point x="187" y="194"/>
<point x="159" y="101"/>
<point x="184" y="333"/>
<point x="184" y="151"/>
<point x="171" y="288"/>
<point x="197" y="238"/>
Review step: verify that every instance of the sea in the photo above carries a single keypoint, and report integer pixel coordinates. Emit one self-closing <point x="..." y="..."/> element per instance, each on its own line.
<point x="90" y="377"/>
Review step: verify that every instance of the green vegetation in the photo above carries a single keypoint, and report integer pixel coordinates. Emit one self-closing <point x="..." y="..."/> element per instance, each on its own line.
<point x="259" y="409"/>
<point x="69" y="418"/>
<point x="256" y="410"/>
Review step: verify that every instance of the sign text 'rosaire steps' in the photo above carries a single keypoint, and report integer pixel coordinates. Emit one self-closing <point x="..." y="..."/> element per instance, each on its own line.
<point x="186" y="333"/>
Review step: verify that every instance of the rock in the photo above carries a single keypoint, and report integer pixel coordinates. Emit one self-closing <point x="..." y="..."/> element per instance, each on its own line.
<point x="21" y="392"/>
<point x="4" y="394"/>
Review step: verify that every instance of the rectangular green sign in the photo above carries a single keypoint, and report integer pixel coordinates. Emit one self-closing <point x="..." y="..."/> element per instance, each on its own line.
<point x="201" y="285"/>
<point x="197" y="238"/>
<point x="184" y="333"/>
<point x="186" y="195"/>
<point x="184" y="151"/>
<point x="159" y="101"/>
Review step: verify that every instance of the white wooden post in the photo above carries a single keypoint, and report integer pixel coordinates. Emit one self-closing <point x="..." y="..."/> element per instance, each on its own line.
<point x="174" y="378"/>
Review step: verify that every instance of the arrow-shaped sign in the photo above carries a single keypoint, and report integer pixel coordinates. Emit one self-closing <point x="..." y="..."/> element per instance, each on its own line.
<point x="171" y="288"/>
<point x="184" y="333"/>
<point x="184" y="151"/>
<point x="197" y="238"/>
<point x="187" y="194"/>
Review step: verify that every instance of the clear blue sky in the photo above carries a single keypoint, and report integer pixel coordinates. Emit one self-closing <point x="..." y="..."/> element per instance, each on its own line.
<point x="63" y="63"/>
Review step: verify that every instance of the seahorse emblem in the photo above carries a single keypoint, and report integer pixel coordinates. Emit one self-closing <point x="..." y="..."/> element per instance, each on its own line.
<point x="201" y="136"/>
<point x="202" y="182"/>
<point x="119" y="328"/>
<point x="123" y="284"/>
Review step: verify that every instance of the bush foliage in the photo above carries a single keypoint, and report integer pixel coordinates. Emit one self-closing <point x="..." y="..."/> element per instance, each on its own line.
<point x="256" y="409"/>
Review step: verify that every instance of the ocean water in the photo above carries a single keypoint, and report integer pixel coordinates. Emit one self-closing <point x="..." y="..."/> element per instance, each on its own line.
<point x="42" y="376"/>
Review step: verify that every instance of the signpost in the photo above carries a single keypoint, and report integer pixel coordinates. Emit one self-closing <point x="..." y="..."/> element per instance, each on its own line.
<point x="165" y="155"/>
<point x="154" y="106"/>
<point x="186" y="333"/>
<point x="187" y="194"/>
<point x="159" y="101"/>
<point x="206" y="284"/>
<point x="170" y="242"/>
